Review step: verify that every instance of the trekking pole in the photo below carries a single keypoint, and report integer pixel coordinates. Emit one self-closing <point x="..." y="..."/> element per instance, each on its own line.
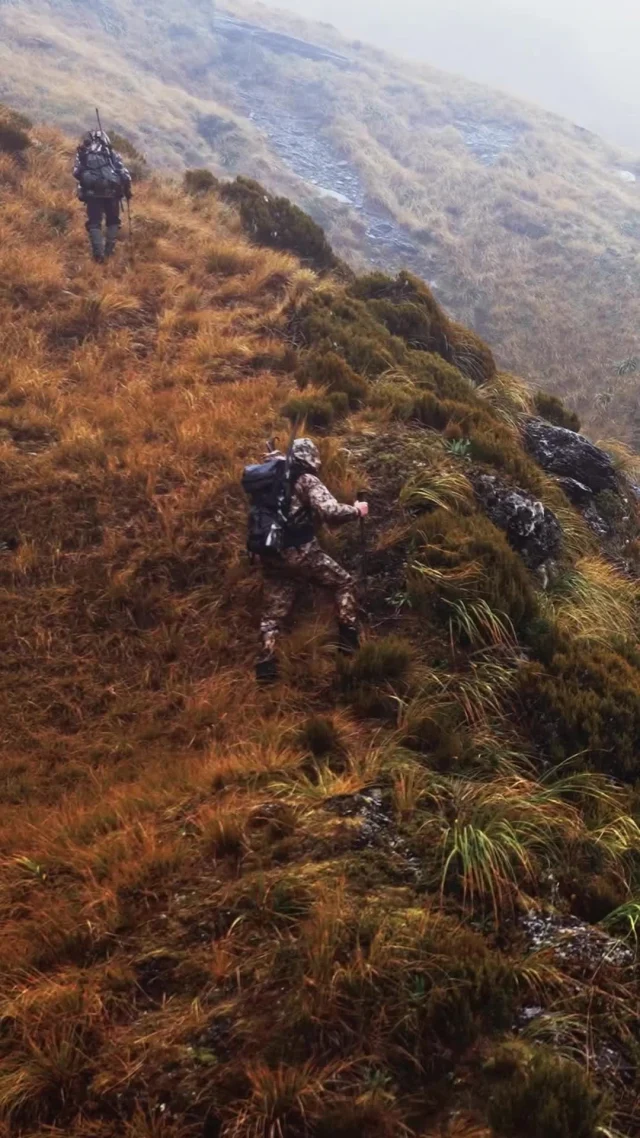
<point x="98" y="118"/>
<point x="362" y="497"/>
<point x="131" y="254"/>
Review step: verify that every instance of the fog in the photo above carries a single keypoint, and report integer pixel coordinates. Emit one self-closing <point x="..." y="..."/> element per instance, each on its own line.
<point x="580" y="58"/>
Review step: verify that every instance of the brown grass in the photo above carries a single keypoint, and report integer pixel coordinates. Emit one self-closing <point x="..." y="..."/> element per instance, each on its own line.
<point x="194" y="940"/>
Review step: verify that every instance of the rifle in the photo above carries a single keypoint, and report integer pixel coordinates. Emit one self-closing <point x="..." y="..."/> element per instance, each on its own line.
<point x="286" y="498"/>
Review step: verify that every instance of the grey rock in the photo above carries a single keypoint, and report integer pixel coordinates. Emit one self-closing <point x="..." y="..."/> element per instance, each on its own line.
<point x="532" y="530"/>
<point x="596" y="522"/>
<point x="569" y="455"/>
<point x="576" y="491"/>
<point x="573" y="940"/>
<point x="371" y="809"/>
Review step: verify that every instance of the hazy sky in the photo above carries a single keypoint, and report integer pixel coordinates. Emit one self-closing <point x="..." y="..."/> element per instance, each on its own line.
<point x="578" y="57"/>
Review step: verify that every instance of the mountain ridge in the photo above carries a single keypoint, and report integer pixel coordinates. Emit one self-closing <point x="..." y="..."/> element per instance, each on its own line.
<point x="397" y="893"/>
<point x="521" y="222"/>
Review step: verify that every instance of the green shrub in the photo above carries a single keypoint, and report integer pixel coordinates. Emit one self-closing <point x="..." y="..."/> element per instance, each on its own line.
<point x="200" y="181"/>
<point x="390" y="396"/>
<point x="431" y="411"/>
<point x="587" y="699"/>
<point x="407" y="308"/>
<point x="407" y="321"/>
<point x="430" y="371"/>
<point x="14" y="131"/>
<point x="278" y="223"/>
<point x="551" y="408"/>
<point x="334" y="322"/>
<point x="547" y="1097"/>
<point x="317" y="411"/>
<point x="331" y="371"/>
<point x="467" y="558"/>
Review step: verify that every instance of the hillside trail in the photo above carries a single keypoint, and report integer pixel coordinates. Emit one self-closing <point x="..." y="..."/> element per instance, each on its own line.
<point x="385" y="897"/>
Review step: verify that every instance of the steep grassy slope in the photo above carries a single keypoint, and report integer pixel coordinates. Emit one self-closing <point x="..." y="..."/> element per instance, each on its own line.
<point x="520" y="219"/>
<point x="364" y="902"/>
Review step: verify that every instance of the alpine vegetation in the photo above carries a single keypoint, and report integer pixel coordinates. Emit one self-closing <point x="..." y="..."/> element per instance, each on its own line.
<point x="395" y="890"/>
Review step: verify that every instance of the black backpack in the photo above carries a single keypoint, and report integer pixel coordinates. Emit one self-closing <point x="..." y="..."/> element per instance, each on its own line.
<point x="100" y="178"/>
<point x="268" y="487"/>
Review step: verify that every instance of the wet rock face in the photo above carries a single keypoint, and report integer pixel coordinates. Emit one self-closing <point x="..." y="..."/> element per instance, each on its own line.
<point x="487" y="139"/>
<point x="574" y="941"/>
<point x="576" y="491"/>
<point x="532" y="530"/>
<point x="371" y="810"/>
<point x="569" y="455"/>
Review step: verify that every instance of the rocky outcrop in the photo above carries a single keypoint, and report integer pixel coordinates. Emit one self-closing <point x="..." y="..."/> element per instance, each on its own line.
<point x="233" y="28"/>
<point x="569" y="455"/>
<point x="532" y="530"/>
<point x="577" y="492"/>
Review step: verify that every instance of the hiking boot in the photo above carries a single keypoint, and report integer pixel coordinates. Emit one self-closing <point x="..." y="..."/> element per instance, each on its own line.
<point x="97" y="244"/>
<point x="348" y="639"/>
<point x="267" y="670"/>
<point x="112" y="236"/>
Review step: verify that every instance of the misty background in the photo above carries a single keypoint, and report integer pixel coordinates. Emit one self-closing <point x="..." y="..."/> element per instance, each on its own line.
<point x="580" y="58"/>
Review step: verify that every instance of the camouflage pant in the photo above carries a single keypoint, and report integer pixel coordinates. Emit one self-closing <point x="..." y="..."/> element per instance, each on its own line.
<point x="283" y="576"/>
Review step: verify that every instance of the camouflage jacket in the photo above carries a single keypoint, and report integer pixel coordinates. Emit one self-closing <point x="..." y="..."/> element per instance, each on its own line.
<point x="311" y="499"/>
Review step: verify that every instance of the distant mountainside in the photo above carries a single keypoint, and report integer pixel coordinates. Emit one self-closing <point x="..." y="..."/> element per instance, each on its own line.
<point x="525" y="225"/>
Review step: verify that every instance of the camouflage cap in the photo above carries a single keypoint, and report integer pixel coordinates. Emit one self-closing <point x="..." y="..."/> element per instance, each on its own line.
<point x="306" y="453"/>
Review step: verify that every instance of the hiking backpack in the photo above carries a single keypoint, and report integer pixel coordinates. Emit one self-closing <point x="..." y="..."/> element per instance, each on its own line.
<point x="268" y="487"/>
<point x="100" y="178"/>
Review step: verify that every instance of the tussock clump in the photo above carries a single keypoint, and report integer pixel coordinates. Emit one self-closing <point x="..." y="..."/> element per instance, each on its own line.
<point x="468" y="559"/>
<point x="377" y="674"/>
<point x="551" y="408"/>
<point x="447" y="381"/>
<point x="329" y="370"/>
<point x="316" y="411"/>
<point x="379" y="661"/>
<point x="471" y="355"/>
<point x="320" y="736"/>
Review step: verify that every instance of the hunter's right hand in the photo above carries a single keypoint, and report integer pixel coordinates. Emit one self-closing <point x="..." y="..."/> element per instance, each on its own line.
<point x="362" y="508"/>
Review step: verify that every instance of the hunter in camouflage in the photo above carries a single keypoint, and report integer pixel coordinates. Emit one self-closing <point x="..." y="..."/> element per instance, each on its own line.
<point x="285" y="572"/>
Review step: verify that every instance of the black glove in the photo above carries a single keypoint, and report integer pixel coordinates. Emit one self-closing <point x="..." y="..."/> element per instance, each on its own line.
<point x="128" y="193"/>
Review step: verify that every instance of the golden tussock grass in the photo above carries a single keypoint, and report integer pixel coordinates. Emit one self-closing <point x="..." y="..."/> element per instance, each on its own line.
<point x="227" y="910"/>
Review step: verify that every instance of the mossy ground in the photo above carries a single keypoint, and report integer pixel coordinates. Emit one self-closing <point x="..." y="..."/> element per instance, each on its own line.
<point x="230" y="911"/>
